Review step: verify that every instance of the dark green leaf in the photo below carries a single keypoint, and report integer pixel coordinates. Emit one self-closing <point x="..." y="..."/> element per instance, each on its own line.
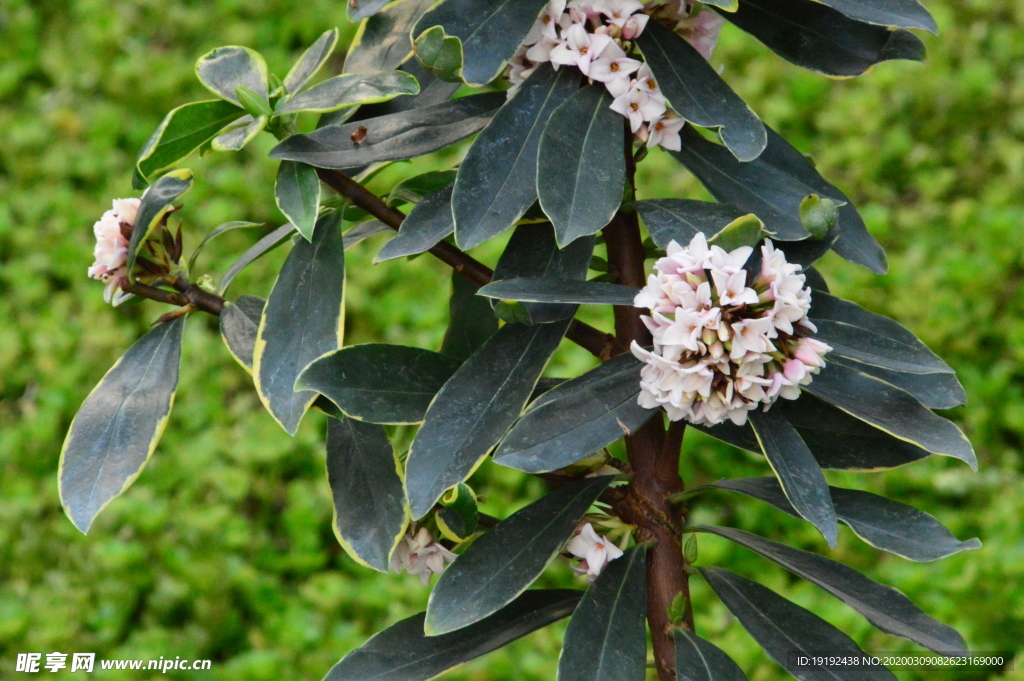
<point x="427" y="224"/>
<point x="366" y="486"/>
<point x="383" y="42"/>
<point x="182" y="131"/>
<point x="883" y="606"/>
<point x="884" y="524"/>
<point x="797" y="470"/>
<point x="470" y="320"/>
<point x="785" y="630"/>
<point x="532" y="252"/>
<point x="755" y="187"/>
<point x="303" y="319"/>
<point x="502" y="563"/>
<point x="699" y="660"/>
<point x="297" y="193"/>
<point x="490" y="31"/>
<point x="837" y="440"/>
<point x="577" y="418"/>
<point x="403" y="653"/>
<point x="360" y="9"/>
<point x="156" y="203"/>
<point x="239" y="134"/>
<point x="475" y="408"/>
<point x="216" y="232"/>
<point x="902" y="13"/>
<point x="439" y="54"/>
<point x="606" y="639"/>
<point x="432" y="91"/>
<point x="935" y="391"/>
<point x="393" y="137"/>
<point x="581" y="167"/>
<point x="819" y="38"/>
<point x="815" y="280"/>
<point x="497" y="180"/>
<point x="239" y="323"/>
<point x="414" y="189"/>
<point x="379" y="383"/>
<point x="891" y="410"/>
<point x="680" y="220"/>
<point x="868" y="338"/>
<point x="118" y="426"/>
<point x="224" y="69"/>
<point x="349" y="90"/>
<point x="547" y="290"/>
<point x="261" y="247"/>
<point x="311" y="61"/>
<point x="460" y="516"/>
<point x="698" y="94"/>
<point x="363" y="231"/>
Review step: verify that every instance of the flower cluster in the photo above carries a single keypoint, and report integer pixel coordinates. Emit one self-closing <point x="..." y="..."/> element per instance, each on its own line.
<point x="726" y="340"/>
<point x="419" y="554"/>
<point x="113" y="231"/>
<point x="594" y="36"/>
<point x="595" y="550"/>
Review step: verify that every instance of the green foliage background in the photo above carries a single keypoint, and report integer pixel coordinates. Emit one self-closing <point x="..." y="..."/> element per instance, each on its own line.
<point x="223" y="548"/>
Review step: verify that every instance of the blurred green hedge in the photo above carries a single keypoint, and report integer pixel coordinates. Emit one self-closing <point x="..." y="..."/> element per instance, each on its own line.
<point x="223" y="548"/>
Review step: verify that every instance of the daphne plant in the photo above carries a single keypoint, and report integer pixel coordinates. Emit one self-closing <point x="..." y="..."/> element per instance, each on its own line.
<point x="721" y="321"/>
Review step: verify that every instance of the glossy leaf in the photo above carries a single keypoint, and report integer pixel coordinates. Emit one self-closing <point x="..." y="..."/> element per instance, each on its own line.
<point x="470" y="320"/>
<point x="427" y="224"/>
<point x="547" y="290"/>
<point x="363" y="231"/>
<point x="580" y="167"/>
<point x="239" y="323"/>
<point x="432" y="91"/>
<point x="379" y="383"/>
<point x="393" y="137"/>
<point x="182" y="131"/>
<point x="237" y="136"/>
<point x="532" y="252"/>
<point x="819" y="38"/>
<point x="755" y="187"/>
<point x="935" y="390"/>
<point x="577" y="418"/>
<point x="902" y="13"/>
<point x="505" y="560"/>
<point x="415" y="188"/>
<point x="785" y="630"/>
<point x="606" y="639"/>
<point x="258" y="249"/>
<point x="698" y="94"/>
<point x="303" y="320"/>
<point x="490" y="32"/>
<point x="382" y="41"/>
<point x="460" y="516"/>
<point x="797" y="470"/>
<point x="747" y="230"/>
<point x="699" y="660"/>
<point x="439" y="54"/>
<point x="224" y="69"/>
<point x="680" y="220"/>
<point x="311" y="61"/>
<point x="156" y="203"/>
<point x="891" y="410"/>
<point x="349" y="90"/>
<point x="297" y="193"/>
<point x="497" y="181"/>
<point x="404" y="653"/>
<point x="882" y="523"/>
<point x="850" y="238"/>
<point x="360" y="9"/>
<point x="216" y="232"/>
<point x="475" y="408"/>
<point x="869" y="338"/>
<point x="837" y="440"/>
<point x="118" y="426"/>
<point x="366" y="487"/>
<point x="883" y="606"/>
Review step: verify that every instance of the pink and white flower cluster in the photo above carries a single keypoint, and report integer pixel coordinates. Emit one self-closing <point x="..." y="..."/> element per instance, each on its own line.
<point x="725" y="341"/>
<point x="418" y="554"/>
<point x="594" y="36"/>
<point x="112" y="232"/>
<point x="595" y="550"/>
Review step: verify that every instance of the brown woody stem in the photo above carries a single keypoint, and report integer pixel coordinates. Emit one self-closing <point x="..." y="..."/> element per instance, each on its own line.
<point x="653" y="457"/>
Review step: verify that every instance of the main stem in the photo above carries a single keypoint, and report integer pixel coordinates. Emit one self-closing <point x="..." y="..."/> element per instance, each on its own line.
<point x="653" y="457"/>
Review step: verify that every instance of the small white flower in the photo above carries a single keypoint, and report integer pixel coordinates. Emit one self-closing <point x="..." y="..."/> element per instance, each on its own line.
<point x="579" y="48"/>
<point x="618" y="11"/>
<point x="613" y="65"/>
<point x="664" y="132"/>
<point x="111" y="250"/>
<point x="595" y="550"/>
<point x="418" y="554"/>
<point x="639" y="105"/>
<point x="540" y="51"/>
<point x="701" y="31"/>
<point x="547" y="22"/>
<point x="634" y="26"/>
